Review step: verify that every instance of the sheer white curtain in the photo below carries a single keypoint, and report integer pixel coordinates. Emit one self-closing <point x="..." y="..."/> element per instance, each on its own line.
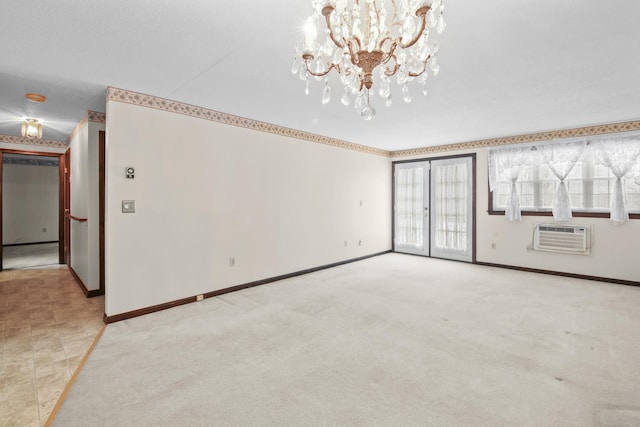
<point x="621" y="156"/>
<point x="561" y="158"/>
<point x="450" y="201"/>
<point x="506" y="164"/>
<point x="409" y="206"/>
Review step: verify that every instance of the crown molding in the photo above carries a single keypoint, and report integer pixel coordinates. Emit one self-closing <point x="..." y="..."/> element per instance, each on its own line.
<point x="521" y="139"/>
<point x="129" y="97"/>
<point x="10" y="139"/>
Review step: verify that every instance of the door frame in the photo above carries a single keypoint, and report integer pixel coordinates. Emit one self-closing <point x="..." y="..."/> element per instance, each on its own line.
<point x="66" y="201"/>
<point x="61" y="166"/>
<point x="473" y="201"/>
<point x="102" y="147"/>
<point x="424" y="212"/>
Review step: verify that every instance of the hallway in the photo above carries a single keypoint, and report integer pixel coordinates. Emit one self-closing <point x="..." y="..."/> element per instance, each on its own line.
<point x="32" y="255"/>
<point x="46" y="327"/>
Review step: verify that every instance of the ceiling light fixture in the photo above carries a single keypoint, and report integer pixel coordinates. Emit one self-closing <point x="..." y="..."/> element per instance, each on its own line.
<point x="32" y="128"/>
<point x="360" y="35"/>
<point x="35" y="97"/>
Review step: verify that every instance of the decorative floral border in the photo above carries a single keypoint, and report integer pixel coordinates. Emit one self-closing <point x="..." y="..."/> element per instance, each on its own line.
<point x="121" y="95"/>
<point x="90" y="116"/>
<point x="96" y="117"/>
<point x="36" y="161"/>
<point x="10" y="139"/>
<point x="520" y="139"/>
<point x="129" y="97"/>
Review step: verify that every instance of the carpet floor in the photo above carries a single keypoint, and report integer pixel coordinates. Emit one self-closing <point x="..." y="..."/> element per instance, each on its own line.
<point x="394" y="340"/>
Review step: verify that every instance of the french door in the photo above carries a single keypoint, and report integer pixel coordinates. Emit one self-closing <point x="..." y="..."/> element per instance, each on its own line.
<point x="434" y="208"/>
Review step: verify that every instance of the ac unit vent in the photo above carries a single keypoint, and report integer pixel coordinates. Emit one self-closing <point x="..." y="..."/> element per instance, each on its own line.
<point x="569" y="239"/>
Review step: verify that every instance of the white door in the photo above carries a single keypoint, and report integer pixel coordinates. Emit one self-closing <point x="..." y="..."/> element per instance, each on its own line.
<point x="452" y="209"/>
<point x="411" y="208"/>
<point x="433" y="208"/>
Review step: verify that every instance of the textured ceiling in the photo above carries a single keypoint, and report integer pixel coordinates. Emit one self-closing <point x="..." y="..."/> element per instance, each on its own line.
<point x="507" y="67"/>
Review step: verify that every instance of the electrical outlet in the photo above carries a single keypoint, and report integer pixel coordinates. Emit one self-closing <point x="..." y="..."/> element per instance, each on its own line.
<point x="44" y="229"/>
<point x="345" y="243"/>
<point x="359" y="242"/>
<point x="199" y="297"/>
<point x="493" y="245"/>
<point x="232" y="262"/>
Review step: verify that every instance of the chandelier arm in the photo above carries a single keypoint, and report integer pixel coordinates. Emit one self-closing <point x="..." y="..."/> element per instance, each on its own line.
<point x="422" y="14"/>
<point x="390" y="55"/>
<point x="424" y="68"/>
<point x="321" y="73"/>
<point x="383" y="41"/>
<point x="388" y="72"/>
<point x="326" y="11"/>
<point x="354" y="54"/>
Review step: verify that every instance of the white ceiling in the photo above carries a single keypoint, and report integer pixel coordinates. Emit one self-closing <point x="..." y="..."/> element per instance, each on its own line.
<point x="507" y="67"/>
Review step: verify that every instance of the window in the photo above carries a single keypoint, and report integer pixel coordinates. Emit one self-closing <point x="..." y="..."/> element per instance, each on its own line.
<point x="599" y="176"/>
<point x="590" y="189"/>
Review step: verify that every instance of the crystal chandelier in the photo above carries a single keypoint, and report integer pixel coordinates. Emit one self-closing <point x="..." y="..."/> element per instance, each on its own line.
<point x="399" y="36"/>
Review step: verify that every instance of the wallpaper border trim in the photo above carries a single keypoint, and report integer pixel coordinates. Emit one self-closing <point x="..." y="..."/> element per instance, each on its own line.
<point x="11" y="139"/>
<point x="129" y="97"/>
<point x="90" y="116"/>
<point x="522" y="139"/>
<point x="158" y="103"/>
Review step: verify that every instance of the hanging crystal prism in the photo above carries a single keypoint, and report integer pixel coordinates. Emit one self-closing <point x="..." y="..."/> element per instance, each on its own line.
<point x="346" y="99"/>
<point x="406" y="96"/>
<point x="368" y="112"/>
<point x="434" y="66"/>
<point x="295" y="67"/>
<point x="326" y="93"/>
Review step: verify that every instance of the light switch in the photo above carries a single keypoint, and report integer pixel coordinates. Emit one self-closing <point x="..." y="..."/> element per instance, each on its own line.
<point x="128" y="206"/>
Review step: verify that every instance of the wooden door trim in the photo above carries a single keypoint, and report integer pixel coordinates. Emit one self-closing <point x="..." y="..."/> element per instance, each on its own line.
<point x="66" y="201"/>
<point x="101" y="205"/>
<point x="60" y="157"/>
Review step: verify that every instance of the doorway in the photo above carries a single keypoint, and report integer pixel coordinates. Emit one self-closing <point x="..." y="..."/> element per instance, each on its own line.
<point x="30" y="208"/>
<point x="434" y="207"/>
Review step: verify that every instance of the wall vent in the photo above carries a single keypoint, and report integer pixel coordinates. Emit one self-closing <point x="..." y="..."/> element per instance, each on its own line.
<point x="568" y="239"/>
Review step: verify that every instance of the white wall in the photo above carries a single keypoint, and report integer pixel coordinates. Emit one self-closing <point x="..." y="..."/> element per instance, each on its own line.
<point x="84" y="204"/>
<point x="206" y="192"/>
<point x="614" y="252"/>
<point x="30" y="198"/>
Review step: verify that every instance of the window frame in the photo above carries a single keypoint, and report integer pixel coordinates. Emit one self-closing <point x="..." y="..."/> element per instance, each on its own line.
<point x="545" y="212"/>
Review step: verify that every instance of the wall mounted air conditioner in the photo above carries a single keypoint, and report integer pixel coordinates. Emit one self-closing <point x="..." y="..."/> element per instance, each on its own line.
<point x="568" y="239"/>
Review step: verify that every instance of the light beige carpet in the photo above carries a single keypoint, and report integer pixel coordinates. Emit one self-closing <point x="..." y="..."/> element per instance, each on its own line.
<point x="394" y="340"/>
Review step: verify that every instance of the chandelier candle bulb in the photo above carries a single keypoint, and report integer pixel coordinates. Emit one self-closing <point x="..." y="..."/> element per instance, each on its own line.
<point x="398" y="37"/>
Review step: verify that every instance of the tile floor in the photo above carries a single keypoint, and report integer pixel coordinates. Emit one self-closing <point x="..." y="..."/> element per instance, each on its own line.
<point x="23" y="256"/>
<point x="46" y="327"/>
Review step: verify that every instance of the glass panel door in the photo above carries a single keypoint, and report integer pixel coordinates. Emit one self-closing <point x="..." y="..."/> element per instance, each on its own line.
<point x="433" y="208"/>
<point x="411" y="205"/>
<point x="452" y="209"/>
